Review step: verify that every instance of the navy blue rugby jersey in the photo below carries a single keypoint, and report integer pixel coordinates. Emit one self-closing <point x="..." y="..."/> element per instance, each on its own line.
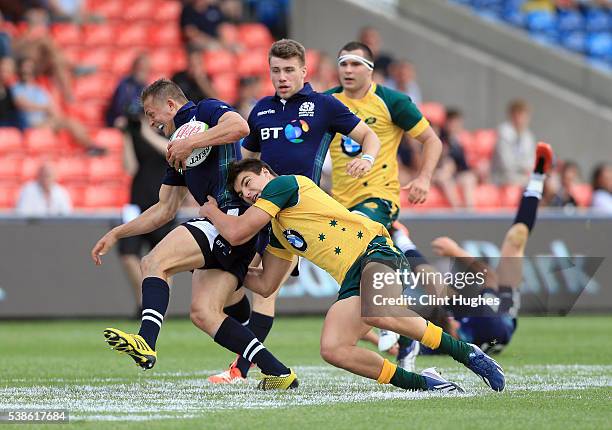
<point x="210" y="177"/>
<point x="293" y="136"/>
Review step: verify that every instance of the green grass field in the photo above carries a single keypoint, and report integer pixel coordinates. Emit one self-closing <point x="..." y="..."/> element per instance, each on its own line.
<point x="559" y="375"/>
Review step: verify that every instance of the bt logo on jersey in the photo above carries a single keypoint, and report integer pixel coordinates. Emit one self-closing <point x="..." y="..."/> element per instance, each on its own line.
<point x="293" y="131"/>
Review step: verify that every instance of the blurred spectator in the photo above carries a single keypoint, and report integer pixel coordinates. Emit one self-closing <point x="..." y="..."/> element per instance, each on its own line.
<point x="35" y="43"/>
<point x="9" y="113"/>
<point x="148" y="151"/>
<point x="533" y="5"/>
<point x="250" y="89"/>
<point x="402" y="77"/>
<point x="326" y="75"/>
<point x="453" y="169"/>
<point x="5" y="38"/>
<point x="602" y="188"/>
<point x="199" y="22"/>
<point x="193" y="80"/>
<point x="570" y="177"/>
<point x="232" y="11"/>
<point x="513" y="156"/>
<point x="66" y="10"/>
<point x="371" y="37"/>
<point x="126" y="98"/>
<point x="43" y="196"/>
<point x="37" y="109"/>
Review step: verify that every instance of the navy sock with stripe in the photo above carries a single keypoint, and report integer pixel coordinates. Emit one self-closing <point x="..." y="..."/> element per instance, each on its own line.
<point x="260" y="325"/>
<point x="155" y="298"/>
<point x="234" y="336"/>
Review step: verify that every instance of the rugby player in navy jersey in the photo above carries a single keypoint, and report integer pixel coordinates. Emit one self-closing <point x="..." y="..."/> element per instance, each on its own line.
<point x="291" y="131"/>
<point x="218" y="269"/>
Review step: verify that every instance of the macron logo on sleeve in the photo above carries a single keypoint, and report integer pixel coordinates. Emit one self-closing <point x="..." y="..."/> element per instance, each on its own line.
<point x="266" y="112"/>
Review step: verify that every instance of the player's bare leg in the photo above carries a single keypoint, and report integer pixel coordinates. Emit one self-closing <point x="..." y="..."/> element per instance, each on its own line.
<point x="210" y="292"/>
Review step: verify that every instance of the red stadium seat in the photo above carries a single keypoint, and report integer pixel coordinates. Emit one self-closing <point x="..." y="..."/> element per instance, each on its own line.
<point x="66" y="34"/>
<point x="487" y="196"/>
<point x="134" y="35"/>
<point x="168" y="11"/>
<point x="583" y="193"/>
<point x="312" y="61"/>
<point x="255" y="35"/>
<point x="11" y="140"/>
<point x="267" y="89"/>
<point x="29" y="168"/>
<point x="73" y="54"/>
<point x="162" y="61"/>
<point x="77" y="194"/>
<point x="139" y="10"/>
<point x="99" y="57"/>
<point x="122" y="61"/>
<point x="434" y="112"/>
<point x="511" y="195"/>
<point x="219" y="61"/>
<point x="97" y="35"/>
<point x="99" y="86"/>
<point x="228" y="34"/>
<point x="167" y="34"/>
<point x="109" y="9"/>
<point x="9" y="193"/>
<point x="105" y="168"/>
<point x="10" y="167"/>
<point x="226" y="86"/>
<point x="253" y="63"/>
<point x="435" y="199"/>
<point x="72" y="169"/>
<point x="91" y="113"/>
<point x="109" y="138"/>
<point x="485" y="140"/>
<point x="41" y="141"/>
<point x="98" y="196"/>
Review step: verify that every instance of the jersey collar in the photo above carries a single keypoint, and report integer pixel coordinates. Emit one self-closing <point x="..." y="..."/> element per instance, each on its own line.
<point x="304" y="92"/>
<point x="182" y="115"/>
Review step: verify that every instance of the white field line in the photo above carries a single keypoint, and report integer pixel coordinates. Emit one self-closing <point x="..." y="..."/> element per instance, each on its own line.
<point x="174" y="395"/>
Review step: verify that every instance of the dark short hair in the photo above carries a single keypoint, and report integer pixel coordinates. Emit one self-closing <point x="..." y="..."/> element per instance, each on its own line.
<point x="354" y="45"/>
<point x="596" y="177"/>
<point x="163" y="88"/>
<point x="453" y="113"/>
<point x="245" y="165"/>
<point x="286" y="49"/>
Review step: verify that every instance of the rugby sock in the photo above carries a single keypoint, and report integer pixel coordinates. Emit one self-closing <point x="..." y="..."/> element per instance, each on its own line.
<point x="407" y="246"/>
<point x="155" y="298"/>
<point x="435" y="338"/>
<point x="239" y="311"/>
<point x="260" y="325"/>
<point x="528" y="206"/>
<point x="398" y="377"/>
<point x="234" y="336"/>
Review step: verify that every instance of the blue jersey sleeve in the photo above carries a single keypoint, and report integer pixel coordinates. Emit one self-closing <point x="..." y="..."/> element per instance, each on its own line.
<point x="251" y="142"/>
<point x="210" y="110"/>
<point x="342" y="120"/>
<point x="173" y="178"/>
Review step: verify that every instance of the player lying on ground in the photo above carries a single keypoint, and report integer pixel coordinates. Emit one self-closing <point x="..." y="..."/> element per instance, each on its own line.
<point x="353" y="249"/>
<point x="493" y="327"/>
<point x="195" y="245"/>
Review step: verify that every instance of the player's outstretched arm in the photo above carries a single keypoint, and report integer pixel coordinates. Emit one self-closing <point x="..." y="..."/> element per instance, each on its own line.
<point x="370" y="145"/>
<point x="235" y="229"/>
<point x="418" y="188"/>
<point x="266" y="281"/>
<point x="170" y="199"/>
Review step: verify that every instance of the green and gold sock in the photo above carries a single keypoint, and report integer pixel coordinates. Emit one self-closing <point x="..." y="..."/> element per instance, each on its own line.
<point x="435" y="338"/>
<point x="398" y="377"/>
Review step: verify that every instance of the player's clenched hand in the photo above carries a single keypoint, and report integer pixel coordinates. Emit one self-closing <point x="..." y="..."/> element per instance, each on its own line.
<point x="444" y="246"/>
<point x="178" y="152"/>
<point x="208" y="207"/>
<point x="358" y="167"/>
<point x="418" y="189"/>
<point x="104" y="244"/>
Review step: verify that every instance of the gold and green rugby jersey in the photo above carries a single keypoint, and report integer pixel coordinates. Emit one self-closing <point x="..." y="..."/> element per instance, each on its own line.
<point x="307" y="222"/>
<point x="389" y="114"/>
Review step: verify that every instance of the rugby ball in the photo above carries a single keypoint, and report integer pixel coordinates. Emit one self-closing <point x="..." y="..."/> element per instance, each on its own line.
<point x="199" y="155"/>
